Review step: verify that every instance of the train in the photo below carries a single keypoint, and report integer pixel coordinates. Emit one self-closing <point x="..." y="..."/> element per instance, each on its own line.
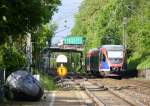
<point x="107" y="60"/>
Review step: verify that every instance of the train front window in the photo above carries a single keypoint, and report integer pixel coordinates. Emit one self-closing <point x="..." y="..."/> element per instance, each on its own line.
<point x="115" y="54"/>
<point x="115" y="57"/>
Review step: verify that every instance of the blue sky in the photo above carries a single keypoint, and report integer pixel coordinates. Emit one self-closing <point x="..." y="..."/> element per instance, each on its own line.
<point x="64" y="18"/>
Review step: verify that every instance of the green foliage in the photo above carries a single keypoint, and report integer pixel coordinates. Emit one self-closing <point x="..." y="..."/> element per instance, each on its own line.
<point x="45" y="33"/>
<point x="47" y="81"/>
<point x="97" y="21"/>
<point x="17" y="17"/>
<point x="140" y="60"/>
<point x="43" y="36"/>
<point x="13" y="60"/>
<point x="145" y="64"/>
<point x="1" y="59"/>
<point x="101" y="22"/>
<point x="134" y="61"/>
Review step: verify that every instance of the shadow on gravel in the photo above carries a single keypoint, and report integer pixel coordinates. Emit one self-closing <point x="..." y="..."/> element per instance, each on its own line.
<point x="129" y="74"/>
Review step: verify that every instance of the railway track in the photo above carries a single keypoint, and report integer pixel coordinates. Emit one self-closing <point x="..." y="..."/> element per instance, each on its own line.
<point x="90" y="92"/>
<point x="134" y="91"/>
<point x="141" y="84"/>
<point x="103" y="96"/>
<point x="116" y="95"/>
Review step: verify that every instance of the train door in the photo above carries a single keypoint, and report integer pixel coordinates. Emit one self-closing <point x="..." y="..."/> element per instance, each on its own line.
<point x="104" y="67"/>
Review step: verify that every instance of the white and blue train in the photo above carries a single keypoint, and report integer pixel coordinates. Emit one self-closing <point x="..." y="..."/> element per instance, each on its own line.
<point x="108" y="60"/>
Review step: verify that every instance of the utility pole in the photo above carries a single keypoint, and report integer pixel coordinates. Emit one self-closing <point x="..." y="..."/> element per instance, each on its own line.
<point x="48" y="43"/>
<point x="124" y="40"/>
<point x="29" y="52"/>
<point x="49" y="56"/>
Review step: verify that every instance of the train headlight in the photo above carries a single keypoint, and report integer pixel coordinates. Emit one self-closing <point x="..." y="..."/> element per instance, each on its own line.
<point x="116" y="69"/>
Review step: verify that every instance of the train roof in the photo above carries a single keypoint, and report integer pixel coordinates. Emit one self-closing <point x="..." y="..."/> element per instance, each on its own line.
<point x="113" y="47"/>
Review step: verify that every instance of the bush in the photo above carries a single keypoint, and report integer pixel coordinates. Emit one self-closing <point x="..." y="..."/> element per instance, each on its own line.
<point x="139" y="61"/>
<point x="13" y="60"/>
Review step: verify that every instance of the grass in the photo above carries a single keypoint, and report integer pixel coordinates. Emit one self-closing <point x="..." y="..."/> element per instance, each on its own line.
<point x="47" y="81"/>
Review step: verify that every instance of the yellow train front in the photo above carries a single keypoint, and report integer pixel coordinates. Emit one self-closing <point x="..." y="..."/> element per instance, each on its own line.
<point x="108" y="60"/>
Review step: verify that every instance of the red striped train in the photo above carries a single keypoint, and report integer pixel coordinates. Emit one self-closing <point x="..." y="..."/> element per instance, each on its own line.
<point x="108" y="60"/>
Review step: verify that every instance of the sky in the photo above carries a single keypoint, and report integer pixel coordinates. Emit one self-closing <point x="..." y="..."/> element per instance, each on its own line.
<point x="64" y="18"/>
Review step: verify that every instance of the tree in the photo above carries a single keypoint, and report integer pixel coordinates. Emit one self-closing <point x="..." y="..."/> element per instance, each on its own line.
<point x="13" y="60"/>
<point x="17" y="17"/>
<point x="101" y="22"/>
<point x="39" y="39"/>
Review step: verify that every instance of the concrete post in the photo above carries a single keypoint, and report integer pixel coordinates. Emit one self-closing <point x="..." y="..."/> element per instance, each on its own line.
<point x="29" y="52"/>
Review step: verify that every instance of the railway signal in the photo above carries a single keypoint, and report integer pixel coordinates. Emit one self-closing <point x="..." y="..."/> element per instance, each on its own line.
<point x="62" y="71"/>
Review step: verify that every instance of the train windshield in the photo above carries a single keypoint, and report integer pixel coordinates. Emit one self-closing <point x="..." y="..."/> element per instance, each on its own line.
<point x="115" y="57"/>
<point x="115" y="54"/>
